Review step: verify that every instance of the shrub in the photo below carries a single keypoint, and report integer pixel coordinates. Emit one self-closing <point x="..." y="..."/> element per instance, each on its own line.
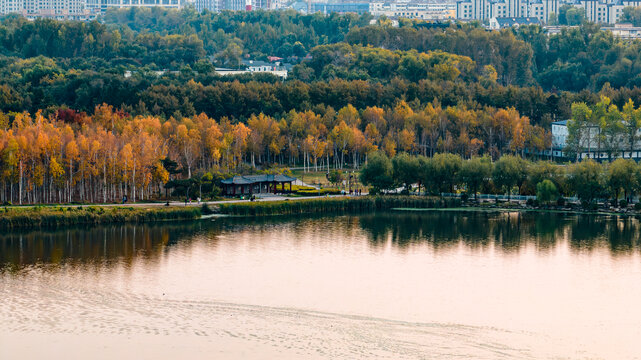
<point x="341" y="204"/>
<point x="464" y="197"/>
<point x="637" y="206"/>
<point x="529" y="202"/>
<point x="592" y="206"/>
<point x="296" y="188"/>
<point x="560" y="201"/>
<point x="313" y="192"/>
<point x="55" y="217"/>
<point x="206" y="210"/>
<point x="623" y="203"/>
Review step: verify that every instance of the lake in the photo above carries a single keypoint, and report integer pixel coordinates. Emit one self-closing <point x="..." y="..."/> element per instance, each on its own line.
<point x="428" y="285"/>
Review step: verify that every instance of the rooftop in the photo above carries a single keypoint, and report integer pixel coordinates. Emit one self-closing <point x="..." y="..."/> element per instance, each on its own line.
<point x="252" y="179"/>
<point x="510" y="21"/>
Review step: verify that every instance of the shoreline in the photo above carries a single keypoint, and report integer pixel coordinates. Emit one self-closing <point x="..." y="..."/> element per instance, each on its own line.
<point x="534" y="210"/>
<point x="62" y="216"/>
<point x="51" y="217"/>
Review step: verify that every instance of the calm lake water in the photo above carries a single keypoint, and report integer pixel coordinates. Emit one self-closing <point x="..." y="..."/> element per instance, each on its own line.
<point x="430" y="285"/>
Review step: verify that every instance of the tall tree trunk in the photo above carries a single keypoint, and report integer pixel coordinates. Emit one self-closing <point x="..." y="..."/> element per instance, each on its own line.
<point x="133" y="182"/>
<point x="70" y="179"/>
<point x="20" y="183"/>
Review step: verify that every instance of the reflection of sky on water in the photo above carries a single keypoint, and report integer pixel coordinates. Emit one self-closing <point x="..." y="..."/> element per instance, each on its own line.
<point x="441" y="231"/>
<point x="399" y="285"/>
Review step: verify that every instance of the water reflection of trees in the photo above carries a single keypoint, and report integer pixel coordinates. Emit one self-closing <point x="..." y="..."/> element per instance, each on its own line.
<point x="440" y="229"/>
<point x="91" y="244"/>
<point x="507" y="231"/>
<point x="619" y="234"/>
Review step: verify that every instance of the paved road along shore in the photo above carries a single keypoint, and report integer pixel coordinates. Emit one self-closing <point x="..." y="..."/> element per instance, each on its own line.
<point x="193" y="202"/>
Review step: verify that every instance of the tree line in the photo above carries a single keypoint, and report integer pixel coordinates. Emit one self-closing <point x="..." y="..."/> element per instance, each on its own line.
<point x="588" y="180"/>
<point x="575" y="59"/>
<point x="47" y="84"/>
<point x="46" y="64"/>
<point x="284" y="33"/>
<point x="44" y="83"/>
<point x="96" y="42"/>
<point x="417" y="89"/>
<point x="73" y="156"/>
<point x="579" y="58"/>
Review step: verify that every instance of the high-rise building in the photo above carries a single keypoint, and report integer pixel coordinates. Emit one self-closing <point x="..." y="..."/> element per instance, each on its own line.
<point x="75" y="9"/>
<point x="250" y="4"/>
<point x="105" y="4"/>
<point x="487" y="9"/>
<point x="57" y="9"/>
<point x="607" y="12"/>
<point x="598" y="11"/>
<point x="211" y="5"/>
<point x="408" y="10"/>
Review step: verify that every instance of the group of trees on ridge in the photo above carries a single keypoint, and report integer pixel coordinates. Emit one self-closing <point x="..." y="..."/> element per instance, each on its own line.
<point x="47" y="64"/>
<point x="70" y="156"/>
<point x="41" y="83"/>
<point x="445" y="172"/>
<point x="578" y="58"/>
<point x="416" y="89"/>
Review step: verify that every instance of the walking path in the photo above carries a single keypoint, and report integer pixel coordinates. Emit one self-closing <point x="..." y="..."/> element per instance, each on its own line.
<point x="193" y="203"/>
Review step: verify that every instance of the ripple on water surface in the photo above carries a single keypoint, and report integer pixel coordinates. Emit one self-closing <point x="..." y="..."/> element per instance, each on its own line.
<point x="410" y="286"/>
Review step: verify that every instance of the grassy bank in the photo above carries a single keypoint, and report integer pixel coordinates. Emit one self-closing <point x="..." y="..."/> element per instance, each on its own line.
<point x="51" y="217"/>
<point x="340" y="204"/>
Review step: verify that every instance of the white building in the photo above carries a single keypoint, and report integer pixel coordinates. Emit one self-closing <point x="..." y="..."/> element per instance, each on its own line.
<point x="246" y="4"/>
<point x="75" y="9"/>
<point x="254" y="67"/>
<point x="604" y="11"/>
<point x="497" y="23"/>
<point x="625" y="31"/>
<point x="484" y="10"/>
<point x="597" y="11"/>
<point x="105" y="4"/>
<point x="414" y="10"/>
<point x="211" y="5"/>
<point x="542" y="9"/>
<point x="559" y="137"/>
<point x="593" y="148"/>
<point x="55" y="9"/>
<point x="227" y="72"/>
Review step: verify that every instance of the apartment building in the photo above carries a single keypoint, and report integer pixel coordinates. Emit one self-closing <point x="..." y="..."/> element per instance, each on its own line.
<point x="55" y="9"/>
<point x="484" y="10"/>
<point x="74" y="9"/>
<point x="603" y="11"/>
<point x="414" y="10"/>
<point x="597" y="11"/>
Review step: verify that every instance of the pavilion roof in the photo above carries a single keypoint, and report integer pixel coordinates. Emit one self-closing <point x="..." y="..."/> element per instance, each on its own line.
<point x="253" y="179"/>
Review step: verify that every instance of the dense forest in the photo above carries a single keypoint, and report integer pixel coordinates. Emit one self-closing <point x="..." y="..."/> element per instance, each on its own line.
<point x="47" y="64"/>
<point x="356" y="87"/>
<point x="109" y="154"/>
<point x="588" y="180"/>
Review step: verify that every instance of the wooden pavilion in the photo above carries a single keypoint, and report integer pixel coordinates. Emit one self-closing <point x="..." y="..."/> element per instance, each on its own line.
<point x="256" y="184"/>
